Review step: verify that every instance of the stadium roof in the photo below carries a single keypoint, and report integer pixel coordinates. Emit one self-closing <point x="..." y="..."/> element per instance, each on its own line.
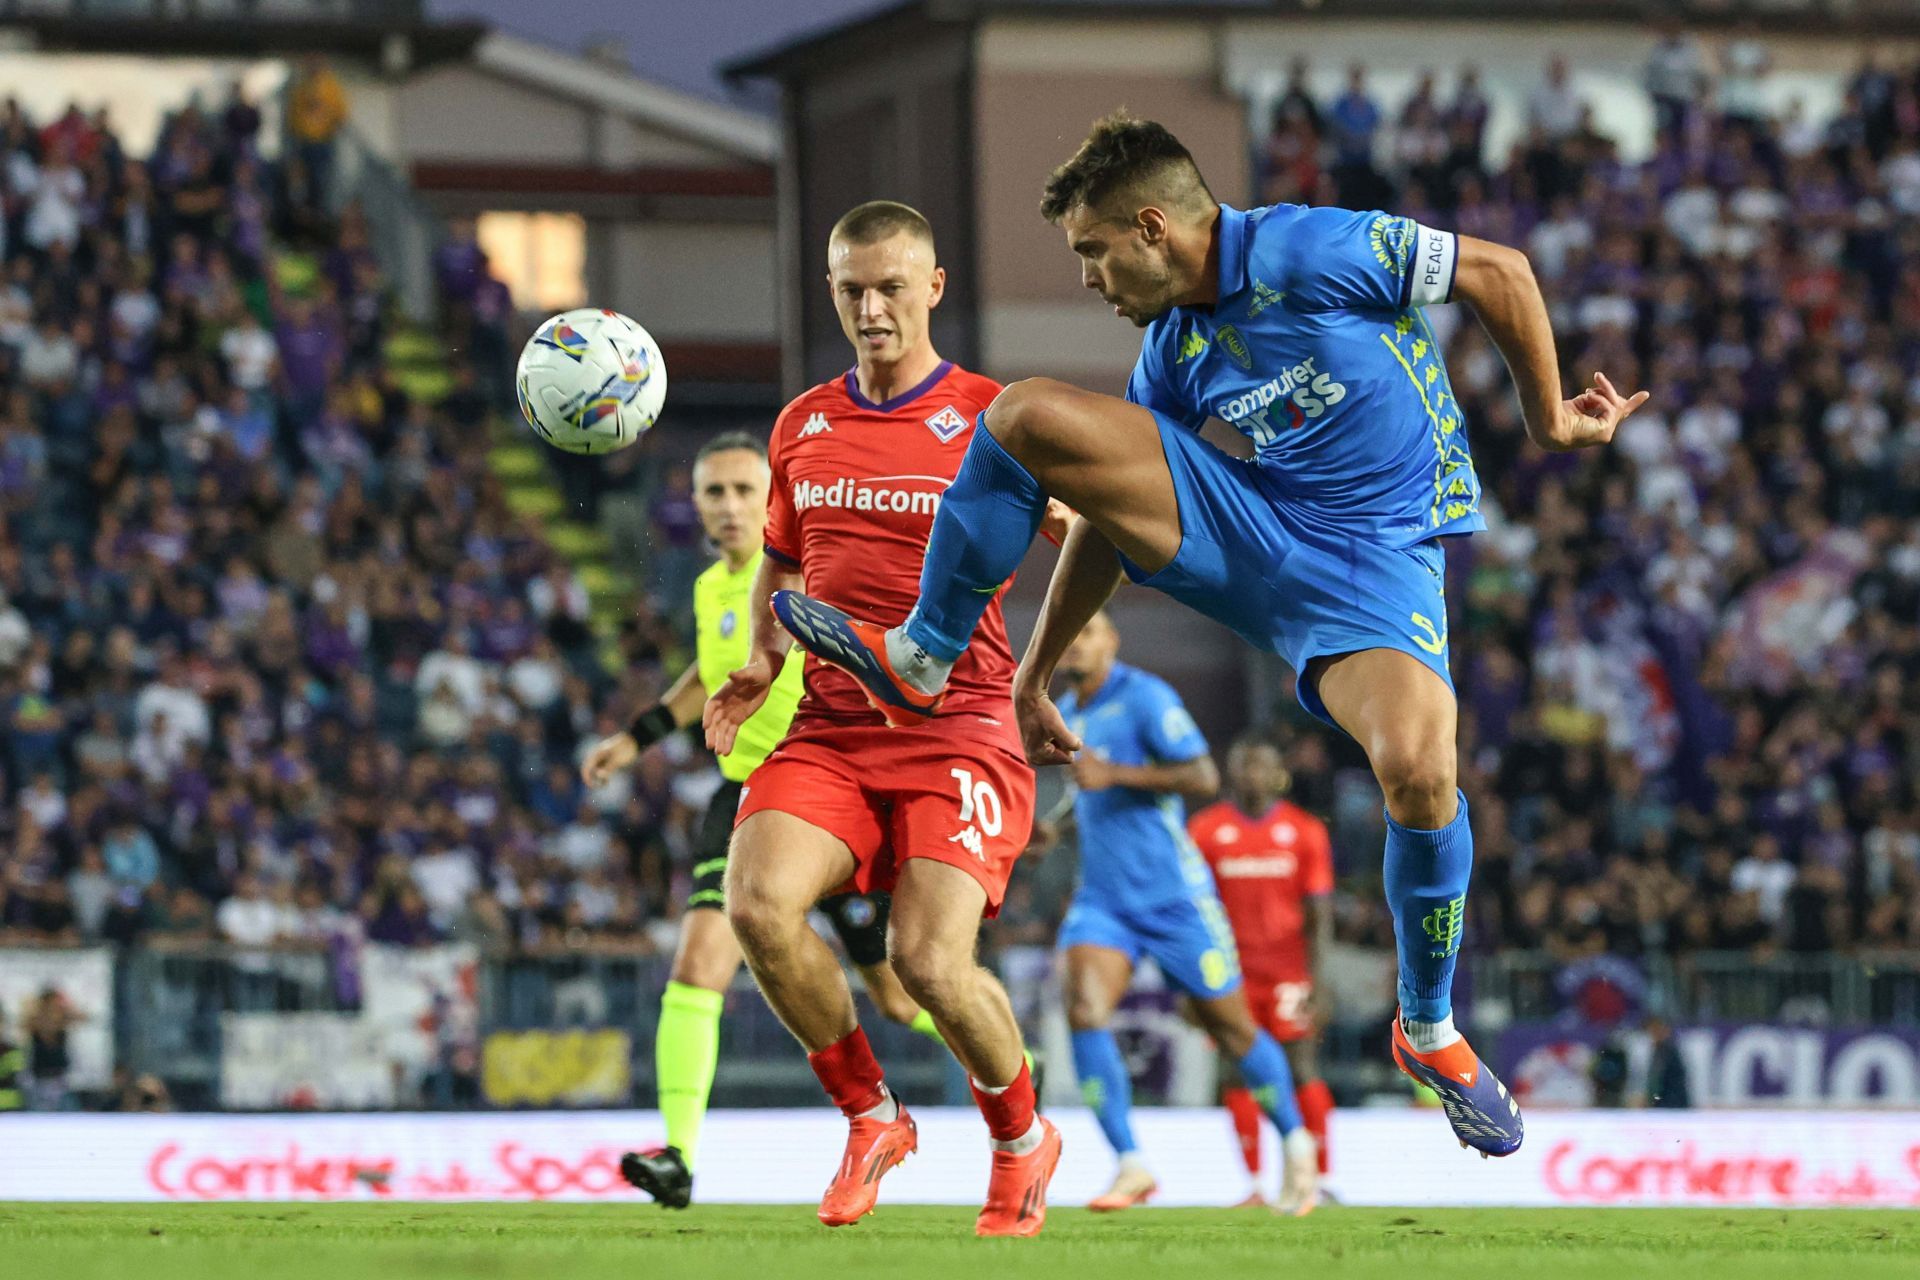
<point x="360" y="29"/>
<point x="1879" y="17"/>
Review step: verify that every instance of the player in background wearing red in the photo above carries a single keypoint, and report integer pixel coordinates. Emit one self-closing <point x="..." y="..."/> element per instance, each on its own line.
<point x="1274" y="867"/>
<point x="936" y="813"/>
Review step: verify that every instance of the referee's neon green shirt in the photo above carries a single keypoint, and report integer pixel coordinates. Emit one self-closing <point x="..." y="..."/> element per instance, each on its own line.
<point x="722" y="639"/>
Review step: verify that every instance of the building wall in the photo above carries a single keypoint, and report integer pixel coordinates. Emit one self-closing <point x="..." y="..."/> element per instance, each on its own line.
<point x="1041" y="85"/>
<point x="460" y="112"/>
<point x="695" y="281"/>
<point x="893" y="126"/>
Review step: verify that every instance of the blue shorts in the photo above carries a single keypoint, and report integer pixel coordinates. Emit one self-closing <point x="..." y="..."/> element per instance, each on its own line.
<point x="1189" y="939"/>
<point x="1293" y="587"/>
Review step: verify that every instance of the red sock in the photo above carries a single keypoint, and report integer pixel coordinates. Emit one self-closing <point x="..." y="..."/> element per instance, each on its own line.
<point x="850" y="1073"/>
<point x="1245" y="1113"/>
<point x="1316" y="1104"/>
<point x="1009" y="1113"/>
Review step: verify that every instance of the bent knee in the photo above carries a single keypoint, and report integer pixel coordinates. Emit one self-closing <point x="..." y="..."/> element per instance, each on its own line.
<point x="1417" y="773"/>
<point x="760" y="918"/>
<point x="1024" y="411"/>
<point x="929" y="976"/>
<point x="1087" y="1015"/>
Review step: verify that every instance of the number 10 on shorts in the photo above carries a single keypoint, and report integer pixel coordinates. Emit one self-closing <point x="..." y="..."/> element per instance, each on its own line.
<point x="979" y="802"/>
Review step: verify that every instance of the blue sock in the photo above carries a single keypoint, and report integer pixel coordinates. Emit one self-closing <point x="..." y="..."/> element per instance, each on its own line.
<point x="986" y="521"/>
<point x="1426" y="879"/>
<point x="1105" y="1085"/>
<point x="1267" y="1074"/>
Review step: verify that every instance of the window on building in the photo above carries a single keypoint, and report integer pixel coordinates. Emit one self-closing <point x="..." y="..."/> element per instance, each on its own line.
<point x="541" y="257"/>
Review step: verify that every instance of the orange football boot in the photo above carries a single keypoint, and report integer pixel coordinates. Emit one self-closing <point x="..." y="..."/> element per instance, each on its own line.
<point x="873" y="1147"/>
<point x="1017" y="1193"/>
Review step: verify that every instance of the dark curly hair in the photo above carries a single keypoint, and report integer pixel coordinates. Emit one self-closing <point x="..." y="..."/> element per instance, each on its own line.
<point x="1125" y="154"/>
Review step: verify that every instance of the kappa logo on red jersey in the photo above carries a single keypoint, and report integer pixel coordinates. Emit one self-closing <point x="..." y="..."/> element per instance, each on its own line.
<point x="947" y="423"/>
<point x="816" y="425"/>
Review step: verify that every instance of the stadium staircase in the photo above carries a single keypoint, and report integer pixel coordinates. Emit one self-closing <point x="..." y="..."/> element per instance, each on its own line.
<point x="418" y="361"/>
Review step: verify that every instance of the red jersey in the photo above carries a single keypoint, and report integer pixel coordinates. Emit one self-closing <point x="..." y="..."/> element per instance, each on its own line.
<point x="855" y="488"/>
<point x="1266" y="868"/>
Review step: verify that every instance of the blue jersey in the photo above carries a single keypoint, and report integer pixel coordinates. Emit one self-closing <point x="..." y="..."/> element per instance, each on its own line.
<point x="1317" y="351"/>
<point x="1134" y="848"/>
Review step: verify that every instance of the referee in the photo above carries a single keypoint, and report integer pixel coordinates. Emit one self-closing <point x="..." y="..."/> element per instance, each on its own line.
<point x="730" y="479"/>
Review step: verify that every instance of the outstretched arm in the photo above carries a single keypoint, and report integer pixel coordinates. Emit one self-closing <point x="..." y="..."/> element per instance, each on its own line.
<point x="1497" y="282"/>
<point x="1088" y="572"/>
<point x="679" y="705"/>
<point x="746" y="688"/>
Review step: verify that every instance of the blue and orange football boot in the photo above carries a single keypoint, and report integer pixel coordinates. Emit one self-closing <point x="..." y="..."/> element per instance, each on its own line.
<point x="1483" y="1114"/>
<point x="857" y="648"/>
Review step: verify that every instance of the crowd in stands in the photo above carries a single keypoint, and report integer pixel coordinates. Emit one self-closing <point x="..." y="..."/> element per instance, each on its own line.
<point x="1689" y="663"/>
<point x="278" y="664"/>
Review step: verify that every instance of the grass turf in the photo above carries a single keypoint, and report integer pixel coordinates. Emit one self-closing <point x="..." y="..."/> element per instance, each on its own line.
<point x="402" y="1242"/>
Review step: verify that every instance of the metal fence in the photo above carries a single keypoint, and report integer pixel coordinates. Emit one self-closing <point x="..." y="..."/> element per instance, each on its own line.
<point x="173" y="1014"/>
<point x="1717" y="986"/>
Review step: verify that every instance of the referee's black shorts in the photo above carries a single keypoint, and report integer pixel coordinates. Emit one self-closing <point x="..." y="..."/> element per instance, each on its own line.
<point x="860" y="919"/>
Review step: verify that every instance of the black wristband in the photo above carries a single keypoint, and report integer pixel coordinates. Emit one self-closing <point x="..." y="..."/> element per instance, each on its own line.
<point x="651" y="725"/>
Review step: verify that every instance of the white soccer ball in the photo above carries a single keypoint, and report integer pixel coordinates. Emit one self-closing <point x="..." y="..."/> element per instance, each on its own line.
<point x="591" y="381"/>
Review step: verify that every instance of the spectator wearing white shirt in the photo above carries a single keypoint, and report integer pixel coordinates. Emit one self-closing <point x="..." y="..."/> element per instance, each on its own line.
<point x="50" y="356"/>
<point x="172" y="694"/>
<point x="251" y="353"/>
<point x="535" y="678"/>
<point x="585" y="842"/>
<point x="454" y="665"/>
<point x="1560" y="235"/>
<point x="54" y="202"/>
<point x="1706" y="433"/>
<point x="1859" y="423"/>
<point x="1766" y="875"/>
<point x="445" y="875"/>
<point x="1800" y="136"/>
<point x="16" y="637"/>
<point x="1744" y="65"/>
<point x="250" y="919"/>
<point x="1675" y="76"/>
<point x="1553" y="107"/>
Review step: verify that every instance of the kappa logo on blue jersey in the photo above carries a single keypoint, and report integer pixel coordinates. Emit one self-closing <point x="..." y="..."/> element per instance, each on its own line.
<point x="947" y="424"/>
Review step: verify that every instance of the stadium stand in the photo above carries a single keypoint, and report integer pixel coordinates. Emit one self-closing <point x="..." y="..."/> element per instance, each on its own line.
<point x="1700" y="644"/>
<point x="278" y="662"/>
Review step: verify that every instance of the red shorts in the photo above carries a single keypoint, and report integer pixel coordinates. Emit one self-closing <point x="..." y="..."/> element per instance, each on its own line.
<point x="894" y="794"/>
<point x="1280" y="1007"/>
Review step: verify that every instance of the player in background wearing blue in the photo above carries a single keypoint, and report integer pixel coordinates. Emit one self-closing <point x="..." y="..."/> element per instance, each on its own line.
<point x="1145" y="890"/>
<point x="1302" y="328"/>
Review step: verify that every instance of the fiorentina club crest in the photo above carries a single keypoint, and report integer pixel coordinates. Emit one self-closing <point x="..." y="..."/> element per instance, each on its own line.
<point x="947" y="424"/>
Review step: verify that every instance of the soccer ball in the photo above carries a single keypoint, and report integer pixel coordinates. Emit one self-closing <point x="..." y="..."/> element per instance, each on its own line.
<point x="591" y="381"/>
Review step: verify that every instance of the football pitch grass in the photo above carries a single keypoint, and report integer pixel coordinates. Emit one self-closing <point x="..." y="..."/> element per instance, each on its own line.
<point x="641" y="1242"/>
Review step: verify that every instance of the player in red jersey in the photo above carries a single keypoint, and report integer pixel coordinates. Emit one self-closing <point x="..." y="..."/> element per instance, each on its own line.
<point x="1274" y="867"/>
<point x="936" y="813"/>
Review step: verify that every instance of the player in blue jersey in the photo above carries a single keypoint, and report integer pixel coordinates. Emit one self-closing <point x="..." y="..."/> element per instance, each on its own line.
<point x="1146" y="891"/>
<point x="1302" y="328"/>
